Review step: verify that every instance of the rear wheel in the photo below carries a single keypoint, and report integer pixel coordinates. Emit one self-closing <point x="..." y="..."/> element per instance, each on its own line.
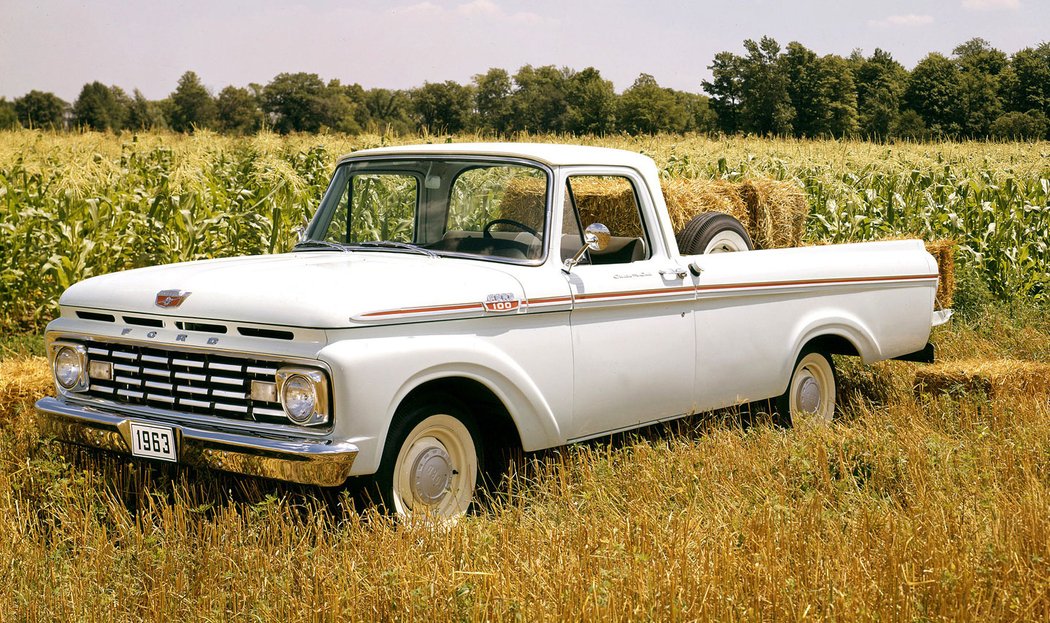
<point x="431" y="463"/>
<point x="713" y="232"/>
<point x="810" y="396"/>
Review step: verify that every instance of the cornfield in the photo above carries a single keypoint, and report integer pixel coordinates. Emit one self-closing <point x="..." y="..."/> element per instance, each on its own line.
<point x="76" y="206"/>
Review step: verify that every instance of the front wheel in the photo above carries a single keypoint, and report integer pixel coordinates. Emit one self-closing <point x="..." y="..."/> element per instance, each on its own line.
<point x="810" y="396"/>
<point x="431" y="463"/>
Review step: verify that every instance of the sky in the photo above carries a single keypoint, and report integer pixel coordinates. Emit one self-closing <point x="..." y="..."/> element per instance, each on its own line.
<point x="60" y="45"/>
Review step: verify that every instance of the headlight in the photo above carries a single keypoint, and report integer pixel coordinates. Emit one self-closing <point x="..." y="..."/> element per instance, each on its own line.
<point x="69" y="362"/>
<point x="304" y="395"/>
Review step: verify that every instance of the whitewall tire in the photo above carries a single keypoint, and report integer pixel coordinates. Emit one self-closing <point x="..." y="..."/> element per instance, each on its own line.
<point x="811" y="393"/>
<point x="431" y="465"/>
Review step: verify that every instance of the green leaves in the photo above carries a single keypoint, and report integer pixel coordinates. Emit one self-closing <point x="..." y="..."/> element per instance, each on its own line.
<point x="87" y="212"/>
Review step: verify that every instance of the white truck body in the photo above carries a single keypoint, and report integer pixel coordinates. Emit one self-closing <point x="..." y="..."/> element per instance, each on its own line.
<point x="568" y="353"/>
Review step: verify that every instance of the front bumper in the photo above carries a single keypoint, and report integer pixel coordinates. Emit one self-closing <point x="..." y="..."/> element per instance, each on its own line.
<point x="313" y="462"/>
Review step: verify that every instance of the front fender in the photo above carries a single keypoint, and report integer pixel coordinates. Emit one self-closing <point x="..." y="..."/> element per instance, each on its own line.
<point x="374" y="375"/>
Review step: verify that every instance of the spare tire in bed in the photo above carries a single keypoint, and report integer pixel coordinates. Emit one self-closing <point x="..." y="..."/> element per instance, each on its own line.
<point x="713" y="232"/>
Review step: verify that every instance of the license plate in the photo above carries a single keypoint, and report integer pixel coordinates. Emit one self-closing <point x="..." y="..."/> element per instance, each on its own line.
<point x="154" y="442"/>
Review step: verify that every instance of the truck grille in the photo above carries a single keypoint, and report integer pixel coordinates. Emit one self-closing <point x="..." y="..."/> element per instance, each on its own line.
<point x="187" y="382"/>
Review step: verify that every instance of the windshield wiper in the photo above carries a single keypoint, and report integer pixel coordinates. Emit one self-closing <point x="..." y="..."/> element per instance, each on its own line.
<point x="393" y="244"/>
<point x="324" y="244"/>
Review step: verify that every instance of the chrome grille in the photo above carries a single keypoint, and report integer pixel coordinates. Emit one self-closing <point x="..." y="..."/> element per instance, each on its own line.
<point x="188" y="382"/>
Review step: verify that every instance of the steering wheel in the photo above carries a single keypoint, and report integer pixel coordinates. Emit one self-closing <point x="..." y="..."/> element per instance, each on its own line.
<point x="507" y="221"/>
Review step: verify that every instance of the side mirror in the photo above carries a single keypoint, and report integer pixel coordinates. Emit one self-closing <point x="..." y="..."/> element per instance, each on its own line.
<point x="300" y="230"/>
<point x="595" y="237"/>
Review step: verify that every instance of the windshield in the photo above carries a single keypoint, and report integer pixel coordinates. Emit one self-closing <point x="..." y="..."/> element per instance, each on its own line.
<point x="434" y="206"/>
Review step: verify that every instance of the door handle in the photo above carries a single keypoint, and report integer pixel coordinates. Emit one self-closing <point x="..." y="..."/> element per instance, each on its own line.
<point x="676" y="272"/>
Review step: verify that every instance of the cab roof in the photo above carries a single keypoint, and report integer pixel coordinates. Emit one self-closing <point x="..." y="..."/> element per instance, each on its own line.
<point x="549" y="154"/>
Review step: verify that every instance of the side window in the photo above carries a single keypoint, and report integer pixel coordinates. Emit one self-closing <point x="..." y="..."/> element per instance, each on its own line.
<point x="498" y="211"/>
<point x="610" y="200"/>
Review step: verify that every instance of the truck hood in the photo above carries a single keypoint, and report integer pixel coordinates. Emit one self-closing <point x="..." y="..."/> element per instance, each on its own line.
<point x="323" y="290"/>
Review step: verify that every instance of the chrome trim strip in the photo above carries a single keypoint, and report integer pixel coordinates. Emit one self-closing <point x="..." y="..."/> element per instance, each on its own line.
<point x="269" y="412"/>
<point x="175" y="417"/>
<point x="264" y="371"/>
<point x="322" y="462"/>
<point x="226" y="367"/>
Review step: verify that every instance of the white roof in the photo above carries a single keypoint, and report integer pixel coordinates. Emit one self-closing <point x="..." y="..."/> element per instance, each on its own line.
<point x="550" y="154"/>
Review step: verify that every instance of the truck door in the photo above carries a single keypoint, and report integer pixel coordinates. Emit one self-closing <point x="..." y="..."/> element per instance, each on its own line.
<point x="633" y="335"/>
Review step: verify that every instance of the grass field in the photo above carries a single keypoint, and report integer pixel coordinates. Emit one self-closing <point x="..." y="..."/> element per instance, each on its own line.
<point x="913" y="507"/>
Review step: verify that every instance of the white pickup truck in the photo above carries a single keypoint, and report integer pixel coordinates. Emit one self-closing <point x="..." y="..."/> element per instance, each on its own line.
<point x="448" y="302"/>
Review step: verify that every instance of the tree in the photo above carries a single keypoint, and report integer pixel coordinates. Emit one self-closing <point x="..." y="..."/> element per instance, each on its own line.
<point x="591" y="103"/>
<point x="538" y="102"/>
<point x="443" y="106"/>
<point x="192" y="106"/>
<point x="802" y="68"/>
<point x="301" y="102"/>
<point x="101" y="108"/>
<point x="357" y="117"/>
<point x="1026" y="81"/>
<point x="144" y="114"/>
<point x="765" y="102"/>
<point x="909" y="125"/>
<point x="492" y="91"/>
<point x="37" y="109"/>
<point x="387" y="111"/>
<point x="726" y="90"/>
<point x="933" y="90"/>
<point x="700" y="116"/>
<point x="8" y="116"/>
<point x="238" y="111"/>
<point x="980" y="66"/>
<point x="979" y="55"/>
<point x="838" y="98"/>
<point x="646" y="108"/>
<point x="1020" y="126"/>
<point x="822" y="92"/>
<point x="880" y="82"/>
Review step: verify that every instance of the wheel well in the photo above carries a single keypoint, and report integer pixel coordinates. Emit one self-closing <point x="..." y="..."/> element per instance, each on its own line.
<point x="493" y="420"/>
<point x="832" y="345"/>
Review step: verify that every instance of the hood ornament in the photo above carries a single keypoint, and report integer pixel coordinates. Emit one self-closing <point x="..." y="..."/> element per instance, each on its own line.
<point x="170" y="298"/>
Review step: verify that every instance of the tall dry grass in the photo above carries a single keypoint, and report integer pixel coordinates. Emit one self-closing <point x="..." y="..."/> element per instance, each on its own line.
<point x="911" y="508"/>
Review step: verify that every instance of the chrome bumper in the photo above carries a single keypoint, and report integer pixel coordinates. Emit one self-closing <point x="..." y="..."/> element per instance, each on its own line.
<point x="320" y="462"/>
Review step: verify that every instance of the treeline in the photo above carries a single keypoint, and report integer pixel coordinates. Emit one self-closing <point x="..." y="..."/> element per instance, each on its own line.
<point x="978" y="92"/>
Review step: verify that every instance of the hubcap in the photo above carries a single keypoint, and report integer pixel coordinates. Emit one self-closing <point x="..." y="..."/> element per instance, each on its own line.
<point x="809" y="395"/>
<point x="432" y="473"/>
